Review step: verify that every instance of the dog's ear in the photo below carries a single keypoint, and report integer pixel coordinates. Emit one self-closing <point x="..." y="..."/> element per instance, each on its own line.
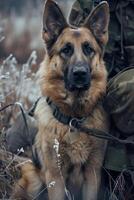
<point x="98" y="22"/>
<point x="53" y="22"/>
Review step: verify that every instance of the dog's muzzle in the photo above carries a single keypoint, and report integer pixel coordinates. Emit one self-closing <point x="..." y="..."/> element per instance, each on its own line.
<point x="78" y="77"/>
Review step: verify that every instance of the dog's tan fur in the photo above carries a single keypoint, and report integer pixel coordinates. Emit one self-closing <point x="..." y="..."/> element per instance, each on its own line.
<point x="78" y="151"/>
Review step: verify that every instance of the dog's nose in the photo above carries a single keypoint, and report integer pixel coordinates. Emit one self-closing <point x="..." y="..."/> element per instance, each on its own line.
<point x="79" y="74"/>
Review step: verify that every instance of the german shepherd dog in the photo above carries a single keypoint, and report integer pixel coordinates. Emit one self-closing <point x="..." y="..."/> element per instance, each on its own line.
<point x="73" y="77"/>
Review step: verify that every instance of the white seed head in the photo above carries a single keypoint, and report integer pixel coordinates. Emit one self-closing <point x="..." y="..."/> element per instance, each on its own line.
<point x="51" y="184"/>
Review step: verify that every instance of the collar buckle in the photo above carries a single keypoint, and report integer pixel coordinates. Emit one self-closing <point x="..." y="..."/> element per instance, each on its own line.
<point x="74" y="122"/>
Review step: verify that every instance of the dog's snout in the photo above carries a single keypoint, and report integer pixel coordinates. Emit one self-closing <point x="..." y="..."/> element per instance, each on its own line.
<point x="78" y="77"/>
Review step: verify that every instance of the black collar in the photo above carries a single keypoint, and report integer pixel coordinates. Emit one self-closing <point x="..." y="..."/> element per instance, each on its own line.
<point x="64" y="119"/>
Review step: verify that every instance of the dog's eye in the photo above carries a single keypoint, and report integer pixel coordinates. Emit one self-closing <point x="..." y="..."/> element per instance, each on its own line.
<point x="87" y="49"/>
<point x="67" y="50"/>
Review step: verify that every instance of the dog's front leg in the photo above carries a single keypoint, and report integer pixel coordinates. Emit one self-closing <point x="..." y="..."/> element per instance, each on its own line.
<point x="91" y="183"/>
<point x="28" y="187"/>
<point x="56" y="192"/>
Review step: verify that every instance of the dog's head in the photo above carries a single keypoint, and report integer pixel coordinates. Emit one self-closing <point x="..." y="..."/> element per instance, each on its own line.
<point x="73" y="73"/>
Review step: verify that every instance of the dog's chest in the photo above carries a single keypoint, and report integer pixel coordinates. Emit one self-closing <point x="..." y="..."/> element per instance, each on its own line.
<point x="73" y="144"/>
<point x="78" y="146"/>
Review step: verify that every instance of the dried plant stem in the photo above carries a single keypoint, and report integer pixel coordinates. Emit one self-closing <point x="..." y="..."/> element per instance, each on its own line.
<point x="58" y="156"/>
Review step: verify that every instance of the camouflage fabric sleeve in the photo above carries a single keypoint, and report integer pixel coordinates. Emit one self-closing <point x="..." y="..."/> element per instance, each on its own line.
<point x="80" y="10"/>
<point x="119" y="103"/>
<point x="85" y="3"/>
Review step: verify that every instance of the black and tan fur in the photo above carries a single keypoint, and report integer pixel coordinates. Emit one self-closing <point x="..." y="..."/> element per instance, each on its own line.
<point x="81" y="156"/>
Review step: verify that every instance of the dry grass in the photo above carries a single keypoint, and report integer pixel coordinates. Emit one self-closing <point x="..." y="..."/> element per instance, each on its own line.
<point x="15" y="85"/>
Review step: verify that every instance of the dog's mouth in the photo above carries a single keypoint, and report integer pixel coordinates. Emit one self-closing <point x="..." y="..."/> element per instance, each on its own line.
<point x="77" y="87"/>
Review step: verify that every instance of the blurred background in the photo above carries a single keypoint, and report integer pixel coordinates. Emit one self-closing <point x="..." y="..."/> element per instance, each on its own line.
<point x="21" y="24"/>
